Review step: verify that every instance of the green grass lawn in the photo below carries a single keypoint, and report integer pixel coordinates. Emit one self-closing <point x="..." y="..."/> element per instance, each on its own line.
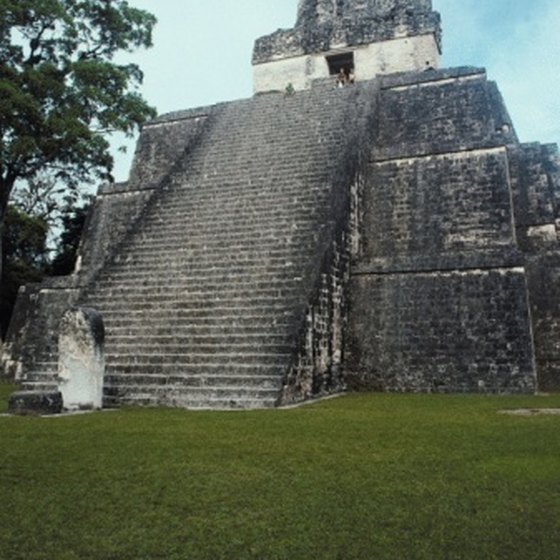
<point x="364" y="476"/>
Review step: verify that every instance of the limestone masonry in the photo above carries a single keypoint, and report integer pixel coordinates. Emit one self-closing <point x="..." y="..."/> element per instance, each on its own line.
<point x="386" y="233"/>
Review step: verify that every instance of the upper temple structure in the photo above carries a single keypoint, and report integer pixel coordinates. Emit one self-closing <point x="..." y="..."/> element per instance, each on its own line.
<point x="367" y="221"/>
<point x="367" y="38"/>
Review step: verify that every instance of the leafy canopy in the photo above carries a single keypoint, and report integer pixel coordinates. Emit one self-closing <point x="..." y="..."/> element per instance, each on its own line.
<point x="61" y="90"/>
<point x="24" y="258"/>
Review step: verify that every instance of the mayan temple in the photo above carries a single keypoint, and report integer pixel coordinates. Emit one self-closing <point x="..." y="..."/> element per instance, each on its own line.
<point x="367" y="220"/>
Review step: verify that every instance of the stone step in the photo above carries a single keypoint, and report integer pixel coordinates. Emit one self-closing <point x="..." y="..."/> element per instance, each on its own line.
<point x="283" y="218"/>
<point x="289" y="218"/>
<point x="194" y="307"/>
<point x="204" y="259"/>
<point x="190" y="311"/>
<point x="197" y="393"/>
<point x="270" y="235"/>
<point x="197" y="201"/>
<point x="247" y="198"/>
<point x="183" y="401"/>
<point x="165" y="292"/>
<point x="229" y="339"/>
<point x="190" y="289"/>
<point x="185" y="370"/>
<point x="283" y="215"/>
<point x="201" y="279"/>
<point x="221" y="240"/>
<point x="112" y="288"/>
<point x="114" y="348"/>
<point x="275" y="244"/>
<point x="175" y="265"/>
<point x="219" y="329"/>
<point x="238" y="193"/>
<point x="197" y="356"/>
<point x="212" y="285"/>
<point x="223" y="233"/>
<point x="182" y="264"/>
<point x="42" y="386"/>
<point x="208" y="250"/>
<point x="137" y="301"/>
<point x="250" y="323"/>
<point x="47" y="365"/>
<point x="268" y="382"/>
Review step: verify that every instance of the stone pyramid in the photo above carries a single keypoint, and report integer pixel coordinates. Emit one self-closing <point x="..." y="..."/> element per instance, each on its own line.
<point x="366" y="221"/>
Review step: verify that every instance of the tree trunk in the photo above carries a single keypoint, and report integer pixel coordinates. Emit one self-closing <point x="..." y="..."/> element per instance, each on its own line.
<point x="6" y="187"/>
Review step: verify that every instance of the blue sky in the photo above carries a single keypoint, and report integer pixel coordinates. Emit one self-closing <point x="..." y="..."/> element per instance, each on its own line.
<point x="202" y="53"/>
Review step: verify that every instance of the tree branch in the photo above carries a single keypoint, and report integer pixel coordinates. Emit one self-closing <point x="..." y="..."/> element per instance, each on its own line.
<point x="35" y="45"/>
<point x="6" y="188"/>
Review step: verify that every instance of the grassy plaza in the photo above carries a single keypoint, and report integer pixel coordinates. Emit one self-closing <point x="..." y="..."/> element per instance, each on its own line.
<point x="357" y="477"/>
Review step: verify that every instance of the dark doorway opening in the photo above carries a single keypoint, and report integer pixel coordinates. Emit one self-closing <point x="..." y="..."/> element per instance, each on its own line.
<point x="338" y="62"/>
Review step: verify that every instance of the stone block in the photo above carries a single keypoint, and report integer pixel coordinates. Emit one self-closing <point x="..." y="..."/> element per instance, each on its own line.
<point x="442" y="116"/>
<point x="452" y="332"/>
<point x="35" y="403"/>
<point x="81" y="359"/>
<point x="438" y="204"/>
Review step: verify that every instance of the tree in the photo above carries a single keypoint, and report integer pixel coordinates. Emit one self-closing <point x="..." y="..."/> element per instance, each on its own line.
<point x="62" y="93"/>
<point x="73" y="220"/>
<point x="43" y="197"/>
<point x="25" y="258"/>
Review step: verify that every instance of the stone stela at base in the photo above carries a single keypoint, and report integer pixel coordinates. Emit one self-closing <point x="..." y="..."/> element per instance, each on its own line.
<point x="81" y="366"/>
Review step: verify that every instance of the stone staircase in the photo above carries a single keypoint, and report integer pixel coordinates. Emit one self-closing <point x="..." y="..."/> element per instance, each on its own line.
<point x="205" y="300"/>
<point x="43" y="377"/>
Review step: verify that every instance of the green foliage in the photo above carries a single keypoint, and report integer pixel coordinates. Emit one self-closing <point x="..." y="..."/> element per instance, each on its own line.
<point x="61" y="91"/>
<point x="361" y="477"/>
<point x="73" y="221"/>
<point x="25" y="240"/>
<point x="24" y="258"/>
<point x="43" y="197"/>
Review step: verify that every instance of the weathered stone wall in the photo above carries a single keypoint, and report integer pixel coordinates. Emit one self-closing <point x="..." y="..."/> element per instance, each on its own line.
<point x="317" y="368"/>
<point x="117" y="208"/>
<point x="385" y="36"/>
<point x="320" y="29"/>
<point x="535" y="179"/>
<point x="543" y="277"/>
<point x="456" y="331"/>
<point x="438" y="296"/>
<point x="439" y="112"/>
<point x="317" y="12"/>
<point x="397" y="55"/>
<point x="31" y="348"/>
<point x="161" y="143"/>
<point x="457" y="201"/>
<point x="114" y="211"/>
<point x="535" y="188"/>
